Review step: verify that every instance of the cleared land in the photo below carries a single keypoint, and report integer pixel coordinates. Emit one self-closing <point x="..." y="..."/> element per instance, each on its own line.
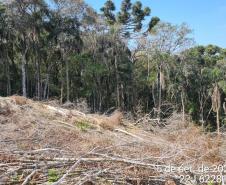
<point x="43" y="143"/>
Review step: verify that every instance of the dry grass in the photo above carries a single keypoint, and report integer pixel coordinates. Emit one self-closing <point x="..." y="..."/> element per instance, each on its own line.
<point x="19" y="100"/>
<point x="109" y="122"/>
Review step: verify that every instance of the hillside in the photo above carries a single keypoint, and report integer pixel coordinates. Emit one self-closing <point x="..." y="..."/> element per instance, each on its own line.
<point x="43" y="143"/>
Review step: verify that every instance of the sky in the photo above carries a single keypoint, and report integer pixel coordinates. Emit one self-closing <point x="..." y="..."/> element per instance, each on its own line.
<point x="207" y="18"/>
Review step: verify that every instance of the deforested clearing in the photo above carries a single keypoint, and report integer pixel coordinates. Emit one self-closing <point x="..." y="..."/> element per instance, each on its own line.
<point x="43" y="144"/>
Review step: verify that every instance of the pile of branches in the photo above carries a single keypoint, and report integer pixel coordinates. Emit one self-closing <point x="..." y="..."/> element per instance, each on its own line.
<point x="118" y="164"/>
<point x="41" y="144"/>
<point x="95" y="167"/>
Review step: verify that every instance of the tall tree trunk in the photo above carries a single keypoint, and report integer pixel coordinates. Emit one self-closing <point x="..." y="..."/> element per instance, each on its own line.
<point x="67" y="80"/>
<point x="216" y="105"/>
<point x="218" y="121"/>
<point x="46" y="86"/>
<point x="94" y="102"/>
<point x="8" y="82"/>
<point x="23" y="65"/>
<point x="202" y="116"/>
<point x="148" y="65"/>
<point x="108" y="92"/>
<point x="61" y="91"/>
<point x="147" y="102"/>
<point x="100" y="102"/>
<point x="61" y="85"/>
<point x="38" y="94"/>
<point x="123" y="97"/>
<point x="8" y="76"/>
<point x="201" y="102"/>
<point x="153" y="94"/>
<point x="160" y="93"/>
<point x="39" y="80"/>
<point x="117" y="82"/>
<point x="47" y="97"/>
<point x="183" y="106"/>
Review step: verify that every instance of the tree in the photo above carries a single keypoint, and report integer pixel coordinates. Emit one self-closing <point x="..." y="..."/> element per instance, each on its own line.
<point x="130" y="17"/>
<point x="25" y="18"/>
<point x="159" y="49"/>
<point x="216" y="104"/>
<point x="205" y="74"/>
<point x="4" y="43"/>
<point x="122" y="25"/>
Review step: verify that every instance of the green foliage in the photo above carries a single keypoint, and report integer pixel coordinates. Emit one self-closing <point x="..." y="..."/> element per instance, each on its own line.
<point x="210" y="183"/>
<point x="152" y="78"/>
<point x="130" y="17"/>
<point x="222" y="85"/>
<point x="15" y="178"/>
<point x="154" y="21"/>
<point x="107" y="10"/>
<point x="216" y="73"/>
<point x="207" y="69"/>
<point x="53" y="175"/>
<point x="124" y="15"/>
<point x="83" y="126"/>
<point x="2" y="9"/>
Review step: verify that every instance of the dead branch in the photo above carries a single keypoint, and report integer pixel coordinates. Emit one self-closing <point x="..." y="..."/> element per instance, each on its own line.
<point x="127" y="133"/>
<point x="29" y="177"/>
<point x="67" y="173"/>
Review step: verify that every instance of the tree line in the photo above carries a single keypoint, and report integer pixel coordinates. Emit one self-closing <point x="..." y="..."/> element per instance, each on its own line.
<point x="64" y="49"/>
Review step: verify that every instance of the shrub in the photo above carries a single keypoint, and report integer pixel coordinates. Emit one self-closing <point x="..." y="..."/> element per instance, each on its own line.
<point x="53" y="175"/>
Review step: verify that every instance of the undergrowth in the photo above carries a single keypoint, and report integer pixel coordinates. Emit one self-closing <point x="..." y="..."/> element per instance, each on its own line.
<point x="84" y="126"/>
<point x="53" y="175"/>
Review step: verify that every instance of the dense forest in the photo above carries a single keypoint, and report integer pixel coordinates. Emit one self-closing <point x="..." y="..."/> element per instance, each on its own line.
<point x="124" y="59"/>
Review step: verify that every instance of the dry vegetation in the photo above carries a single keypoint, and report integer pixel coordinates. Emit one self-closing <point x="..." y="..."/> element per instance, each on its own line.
<point x="42" y="143"/>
